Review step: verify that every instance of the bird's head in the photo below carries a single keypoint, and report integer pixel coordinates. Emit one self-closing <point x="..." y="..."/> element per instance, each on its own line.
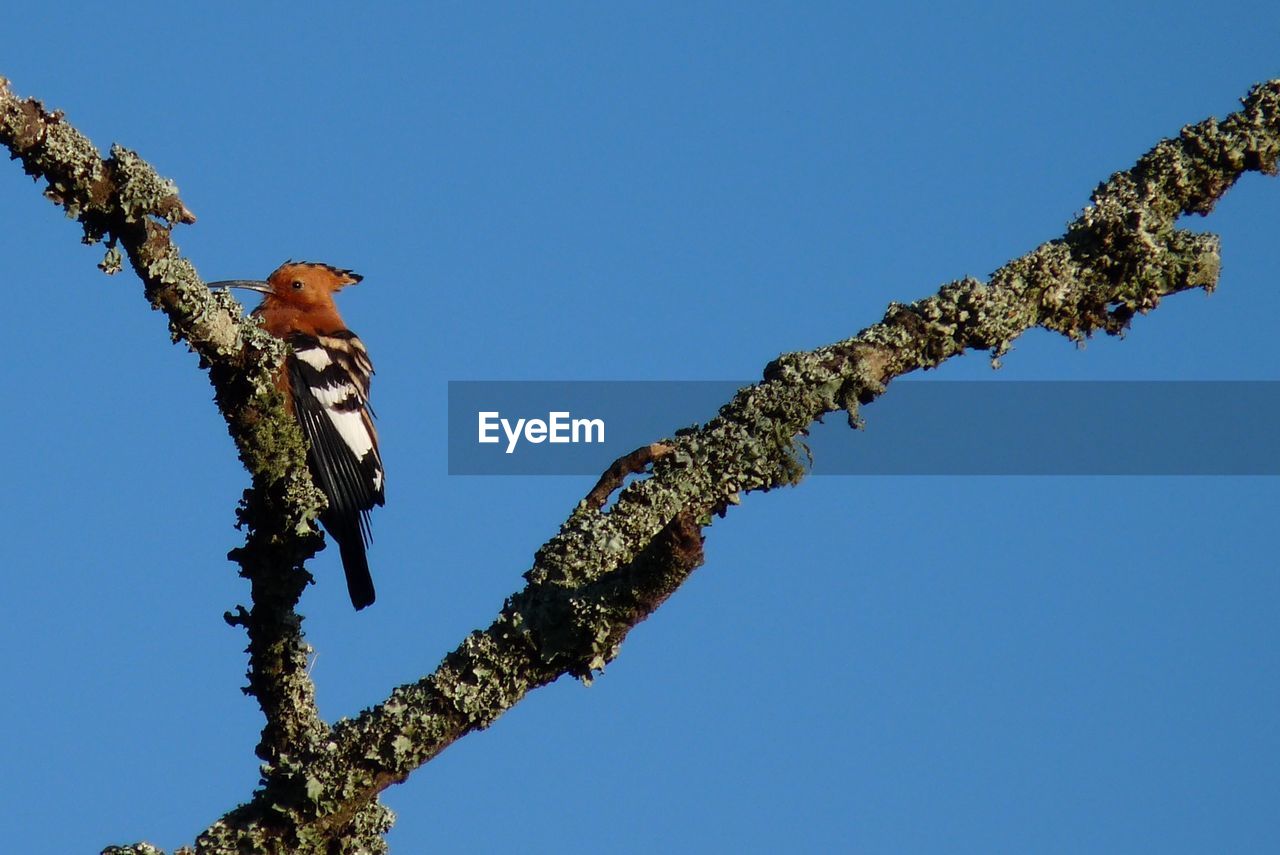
<point x="304" y="284"/>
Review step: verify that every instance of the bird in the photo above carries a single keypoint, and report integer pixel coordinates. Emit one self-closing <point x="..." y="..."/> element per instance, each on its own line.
<point x="325" y="380"/>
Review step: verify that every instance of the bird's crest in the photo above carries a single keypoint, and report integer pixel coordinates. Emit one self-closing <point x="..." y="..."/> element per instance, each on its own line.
<point x="335" y="277"/>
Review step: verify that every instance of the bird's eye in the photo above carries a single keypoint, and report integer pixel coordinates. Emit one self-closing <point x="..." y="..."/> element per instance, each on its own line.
<point x="297" y="284"/>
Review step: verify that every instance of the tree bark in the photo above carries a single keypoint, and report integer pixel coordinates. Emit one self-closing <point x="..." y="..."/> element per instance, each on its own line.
<point x="606" y="570"/>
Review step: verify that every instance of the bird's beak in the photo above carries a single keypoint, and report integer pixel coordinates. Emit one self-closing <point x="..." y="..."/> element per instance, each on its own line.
<point x="247" y="284"/>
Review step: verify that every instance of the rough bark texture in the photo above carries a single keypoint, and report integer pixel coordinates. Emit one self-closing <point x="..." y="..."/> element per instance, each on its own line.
<point x="607" y="569"/>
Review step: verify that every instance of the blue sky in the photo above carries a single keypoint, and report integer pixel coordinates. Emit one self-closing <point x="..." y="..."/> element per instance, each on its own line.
<point x="570" y="191"/>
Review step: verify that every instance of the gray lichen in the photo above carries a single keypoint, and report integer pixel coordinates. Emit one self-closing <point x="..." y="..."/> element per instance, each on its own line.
<point x="606" y="570"/>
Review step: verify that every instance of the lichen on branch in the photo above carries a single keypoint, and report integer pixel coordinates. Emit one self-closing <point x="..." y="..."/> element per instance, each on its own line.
<point x="608" y="568"/>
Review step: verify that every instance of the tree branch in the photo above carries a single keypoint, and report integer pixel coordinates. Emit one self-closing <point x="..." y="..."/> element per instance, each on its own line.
<point x="606" y="570"/>
<point x="122" y="199"/>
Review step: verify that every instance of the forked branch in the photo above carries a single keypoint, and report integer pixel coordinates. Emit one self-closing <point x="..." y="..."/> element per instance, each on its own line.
<point x="606" y="570"/>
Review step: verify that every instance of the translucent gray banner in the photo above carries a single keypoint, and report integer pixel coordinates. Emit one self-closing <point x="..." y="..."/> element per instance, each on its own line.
<point x="916" y="428"/>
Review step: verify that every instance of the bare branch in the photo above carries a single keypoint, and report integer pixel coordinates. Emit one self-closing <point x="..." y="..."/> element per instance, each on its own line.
<point x="606" y="570"/>
<point x="628" y="464"/>
<point x="122" y="199"/>
<point x="1118" y="259"/>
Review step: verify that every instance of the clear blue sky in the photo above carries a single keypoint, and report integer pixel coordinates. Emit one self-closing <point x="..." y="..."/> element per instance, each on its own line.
<point x="880" y="665"/>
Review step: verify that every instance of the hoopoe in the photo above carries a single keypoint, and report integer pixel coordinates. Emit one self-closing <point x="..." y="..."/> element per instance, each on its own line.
<point x="326" y="384"/>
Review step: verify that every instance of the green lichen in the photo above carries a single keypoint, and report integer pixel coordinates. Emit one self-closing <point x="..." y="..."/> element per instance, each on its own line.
<point x="140" y="191"/>
<point x="605" y="570"/>
<point x="112" y="261"/>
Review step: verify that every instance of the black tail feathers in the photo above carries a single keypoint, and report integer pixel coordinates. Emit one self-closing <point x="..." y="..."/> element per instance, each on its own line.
<point x="356" y="566"/>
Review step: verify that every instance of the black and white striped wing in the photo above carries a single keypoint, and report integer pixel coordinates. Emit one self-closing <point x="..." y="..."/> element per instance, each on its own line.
<point x="329" y="378"/>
